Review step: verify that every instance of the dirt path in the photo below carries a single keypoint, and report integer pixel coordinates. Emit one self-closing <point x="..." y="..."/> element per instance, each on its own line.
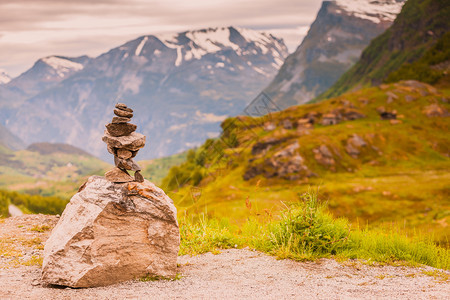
<point x="233" y="274"/>
<point x="14" y="211"/>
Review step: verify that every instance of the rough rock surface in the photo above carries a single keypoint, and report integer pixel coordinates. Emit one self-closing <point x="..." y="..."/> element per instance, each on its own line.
<point x="132" y="142"/>
<point x="112" y="232"/>
<point x="117" y="175"/>
<point x="120" y="129"/>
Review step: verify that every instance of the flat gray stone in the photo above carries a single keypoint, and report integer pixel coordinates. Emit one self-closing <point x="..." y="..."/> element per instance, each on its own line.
<point x="123" y="113"/>
<point x="132" y="142"/>
<point x="118" y="120"/>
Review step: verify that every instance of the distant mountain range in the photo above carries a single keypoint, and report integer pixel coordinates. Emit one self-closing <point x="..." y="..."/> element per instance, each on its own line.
<point x="334" y="42"/>
<point x="181" y="86"/>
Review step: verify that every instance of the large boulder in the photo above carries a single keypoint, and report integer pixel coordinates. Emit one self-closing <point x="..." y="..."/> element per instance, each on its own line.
<point x="112" y="232"/>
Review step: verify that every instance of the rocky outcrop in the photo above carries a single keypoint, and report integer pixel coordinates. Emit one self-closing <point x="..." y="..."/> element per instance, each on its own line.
<point x="112" y="232"/>
<point x="354" y="144"/>
<point x="285" y="163"/>
<point x="435" y="110"/>
<point x="324" y="156"/>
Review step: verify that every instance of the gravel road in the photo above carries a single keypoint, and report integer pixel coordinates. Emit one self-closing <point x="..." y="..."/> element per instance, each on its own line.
<point x="242" y="274"/>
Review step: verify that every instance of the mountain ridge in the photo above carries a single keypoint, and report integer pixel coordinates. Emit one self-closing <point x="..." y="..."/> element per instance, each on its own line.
<point x="181" y="92"/>
<point x="420" y="25"/>
<point x="333" y="44"/>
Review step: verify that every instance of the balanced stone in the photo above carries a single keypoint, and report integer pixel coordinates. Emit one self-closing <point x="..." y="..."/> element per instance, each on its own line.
<point x="123" y="113"/>
<point x="120" y="129"/>
<point x="126" y="164"/>
<point x="118" y="175"/>
<point x="124" y="154"/>
<point x="132" y="142"/>
<point x="123" y="107"/>
<point x="118" y="120"/>
<point x="138" y="177"/>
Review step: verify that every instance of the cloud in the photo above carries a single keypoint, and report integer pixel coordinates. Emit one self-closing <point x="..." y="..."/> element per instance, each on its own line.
<point x="31" y="29"/>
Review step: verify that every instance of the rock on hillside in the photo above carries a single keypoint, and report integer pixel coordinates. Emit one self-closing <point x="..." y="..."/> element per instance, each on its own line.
<point x="341" y="31"/>
<point x="181" y="86"/>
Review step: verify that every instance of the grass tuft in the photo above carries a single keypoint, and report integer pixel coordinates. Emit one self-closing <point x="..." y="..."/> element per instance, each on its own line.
<point x="40" y="228"/>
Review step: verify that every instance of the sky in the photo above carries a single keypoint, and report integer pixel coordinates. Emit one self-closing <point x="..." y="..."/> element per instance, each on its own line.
<point x="32" y="29"/>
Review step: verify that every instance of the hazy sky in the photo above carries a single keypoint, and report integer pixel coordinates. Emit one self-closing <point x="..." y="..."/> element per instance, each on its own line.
<point x="31" y="29"/>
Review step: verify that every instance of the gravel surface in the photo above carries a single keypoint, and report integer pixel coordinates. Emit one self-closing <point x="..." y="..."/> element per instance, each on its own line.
<point x="233" y="274"/>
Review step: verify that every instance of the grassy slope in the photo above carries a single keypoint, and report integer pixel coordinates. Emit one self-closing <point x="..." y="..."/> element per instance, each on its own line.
<point x="156" y="169"/>
<point x="55" y="174"/>
<point x="407" y="50"/>
<point x="401" y="175"/>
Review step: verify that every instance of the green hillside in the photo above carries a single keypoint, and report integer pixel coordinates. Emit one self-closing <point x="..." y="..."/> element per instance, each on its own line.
<point x="379" y="155"/>
<point x="156" y="169"/>
<point x="416" y="46"/>
<point x="47" y="169"/>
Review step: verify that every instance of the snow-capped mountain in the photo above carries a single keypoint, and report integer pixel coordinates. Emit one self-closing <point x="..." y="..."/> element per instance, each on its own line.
<point x="4" y="77"/>
<point x="180" y="85"/>
<point x="334" y="42"/>
<point x="45" y="73"/>
<point x="376" y="11"/>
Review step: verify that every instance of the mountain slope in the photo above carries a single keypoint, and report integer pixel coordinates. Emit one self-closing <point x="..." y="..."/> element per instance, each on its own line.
<point x="334" y="42"/>
<point x="4" y="77"/>
<point x="421" y="25"/>
<point x="379" y="155"/>
<point x="181" y="87"/>
<point x="9" y="140"/>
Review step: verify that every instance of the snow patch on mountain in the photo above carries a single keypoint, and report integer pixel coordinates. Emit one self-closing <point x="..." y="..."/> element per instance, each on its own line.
<point x="198" y="43"/>
<point x="61" y="65"/>
<point x="372" y="10"/>
<point x="4" y="77"/>
<point x="140" y="46"/>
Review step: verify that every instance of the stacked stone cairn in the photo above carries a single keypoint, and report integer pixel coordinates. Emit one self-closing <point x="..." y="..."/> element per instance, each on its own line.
<point x="124" y="143"/>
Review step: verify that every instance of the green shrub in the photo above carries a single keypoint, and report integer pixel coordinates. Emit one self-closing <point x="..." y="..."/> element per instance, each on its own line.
<point x="35" y="203"/>
<point x="4" y="203"/>
<point x="306" y="230"/>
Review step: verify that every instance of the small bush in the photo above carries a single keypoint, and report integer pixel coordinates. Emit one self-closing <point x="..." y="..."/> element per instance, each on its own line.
<point x="307" y="230"/>
<point x="4" y="204"/>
